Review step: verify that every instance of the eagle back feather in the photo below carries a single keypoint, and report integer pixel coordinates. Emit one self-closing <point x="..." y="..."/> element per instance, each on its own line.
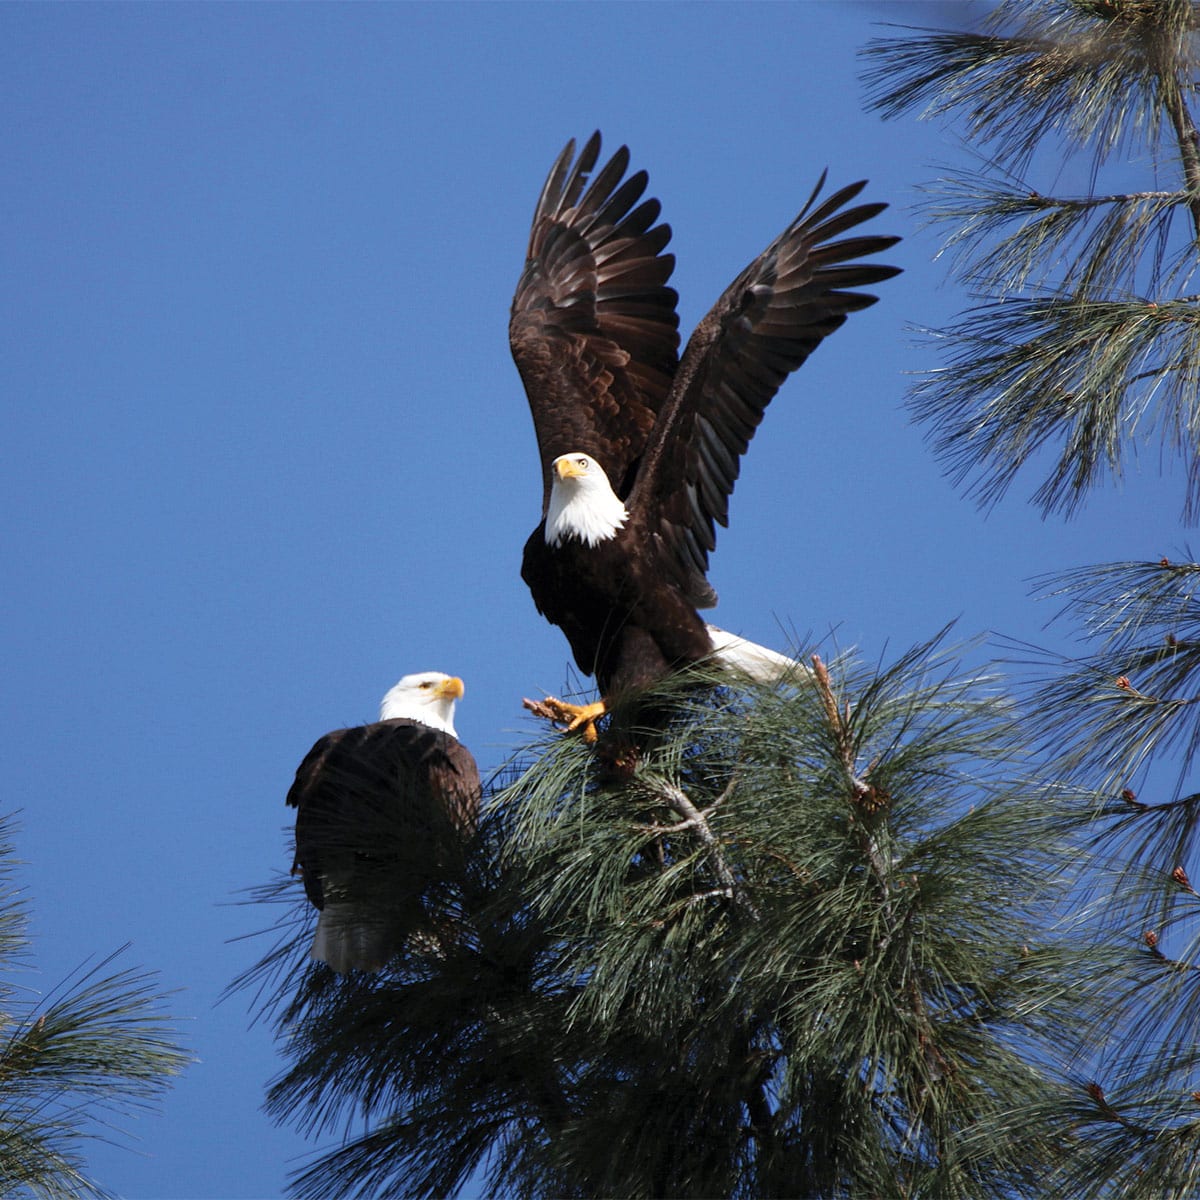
<point x="391" y="786"/>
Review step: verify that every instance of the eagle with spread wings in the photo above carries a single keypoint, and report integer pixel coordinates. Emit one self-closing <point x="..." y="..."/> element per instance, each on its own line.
<point x="639" y="447"/>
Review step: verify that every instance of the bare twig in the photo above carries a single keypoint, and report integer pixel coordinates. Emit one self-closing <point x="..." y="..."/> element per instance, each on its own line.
<point x="683" y="826"/>
<point x="693" y="818"/>
<point x="866" y="796"/>
<point x="540" y="709"/>
<point x="865" y="793"/>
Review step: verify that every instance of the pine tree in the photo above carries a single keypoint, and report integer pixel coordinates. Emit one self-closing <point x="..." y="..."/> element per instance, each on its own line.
<point x="797" y="946"/>
<point x="93" y="1049"/>
<point x="1084" y="339"/>
<point x="854" y="936"/>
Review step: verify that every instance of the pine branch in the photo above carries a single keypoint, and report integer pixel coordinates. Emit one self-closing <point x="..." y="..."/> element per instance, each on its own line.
<point x="1007" y="237"/>
<point x="1131" y="1145"/>
<point x="1135" y="698"/>
<point x="1180" y="803"/>
<point x="1074" y="80"/>
<point x="866" y="797"/>
<point x="1175" y="72"/>
<point x="1105" y="352"/>
<point x="695" y="820"/>
<point x="95" y="1048"/>
<point x="1026" y="373"/>
<point x="1108" y="1113"/>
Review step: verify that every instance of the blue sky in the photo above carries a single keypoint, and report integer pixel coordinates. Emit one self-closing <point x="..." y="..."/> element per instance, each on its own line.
<point x="265" y="450"/>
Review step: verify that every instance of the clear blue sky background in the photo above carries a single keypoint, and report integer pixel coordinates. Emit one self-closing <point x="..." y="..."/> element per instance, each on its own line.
<point x="265" y="451"/>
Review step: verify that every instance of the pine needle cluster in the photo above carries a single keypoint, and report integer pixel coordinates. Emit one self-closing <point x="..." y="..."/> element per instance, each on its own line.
<point x="1083" y="336"/>
<point x="73" y="1062"/>
<point x="1120" y="719"/>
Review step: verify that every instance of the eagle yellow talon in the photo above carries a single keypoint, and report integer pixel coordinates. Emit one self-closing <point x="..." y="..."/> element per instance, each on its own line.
<point x="573" y="716"/>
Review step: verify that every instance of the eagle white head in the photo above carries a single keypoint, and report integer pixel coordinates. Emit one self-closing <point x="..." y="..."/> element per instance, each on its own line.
<point x="427" y="697"/>
<point x="583" y="504"/>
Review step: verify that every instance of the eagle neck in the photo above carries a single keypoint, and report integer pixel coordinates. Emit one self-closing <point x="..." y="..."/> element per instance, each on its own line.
<point x="396" y="710"/>
<point x="588" y="514"/>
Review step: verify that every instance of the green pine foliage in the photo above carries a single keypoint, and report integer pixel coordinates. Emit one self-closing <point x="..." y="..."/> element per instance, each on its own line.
<point x="1129" y="700"/>
<point x="1129" y="729"/>
<point x="72" y="1063"/>
<point x="794" y="945"/>
<point x="1081" y="344"/>
<point x="1082" y="341"/>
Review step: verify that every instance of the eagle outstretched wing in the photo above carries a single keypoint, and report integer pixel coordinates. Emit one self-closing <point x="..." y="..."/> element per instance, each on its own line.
<point x="766" y="323"/>
<point x="593" y="330"/>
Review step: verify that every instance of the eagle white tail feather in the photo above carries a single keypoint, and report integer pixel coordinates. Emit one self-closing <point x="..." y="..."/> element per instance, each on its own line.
<point x="750" y="659"/>
<point x="346" y="940"/>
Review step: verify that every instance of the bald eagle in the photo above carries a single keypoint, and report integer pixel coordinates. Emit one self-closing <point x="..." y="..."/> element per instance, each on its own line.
<point x="381" y="809"/>
<point x="639" y="448"/>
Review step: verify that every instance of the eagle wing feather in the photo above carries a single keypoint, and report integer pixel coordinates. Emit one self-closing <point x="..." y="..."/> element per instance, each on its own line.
<point x="764" y="326"/>
<point x="593" y="330"/>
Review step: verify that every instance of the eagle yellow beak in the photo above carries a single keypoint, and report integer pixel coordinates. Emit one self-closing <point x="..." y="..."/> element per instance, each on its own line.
<point x="568" y="468"/>
<point x="452" y="689"/>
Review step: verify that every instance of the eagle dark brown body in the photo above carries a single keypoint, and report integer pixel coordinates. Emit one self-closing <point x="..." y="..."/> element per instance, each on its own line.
<point x="624" y="626"/>
<point x="361" y="789"/>
<point x="594" y="334"/>
<point x="382" y="813"/>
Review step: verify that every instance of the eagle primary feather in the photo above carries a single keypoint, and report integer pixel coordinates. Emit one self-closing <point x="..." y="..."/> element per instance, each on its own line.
<point x="381" y="810"/>
<point x="594" y="334"/>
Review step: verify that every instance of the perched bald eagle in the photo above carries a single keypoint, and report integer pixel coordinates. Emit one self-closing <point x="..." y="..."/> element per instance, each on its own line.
<point x="639" y="448"/>
<point x="381" y="809"/>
